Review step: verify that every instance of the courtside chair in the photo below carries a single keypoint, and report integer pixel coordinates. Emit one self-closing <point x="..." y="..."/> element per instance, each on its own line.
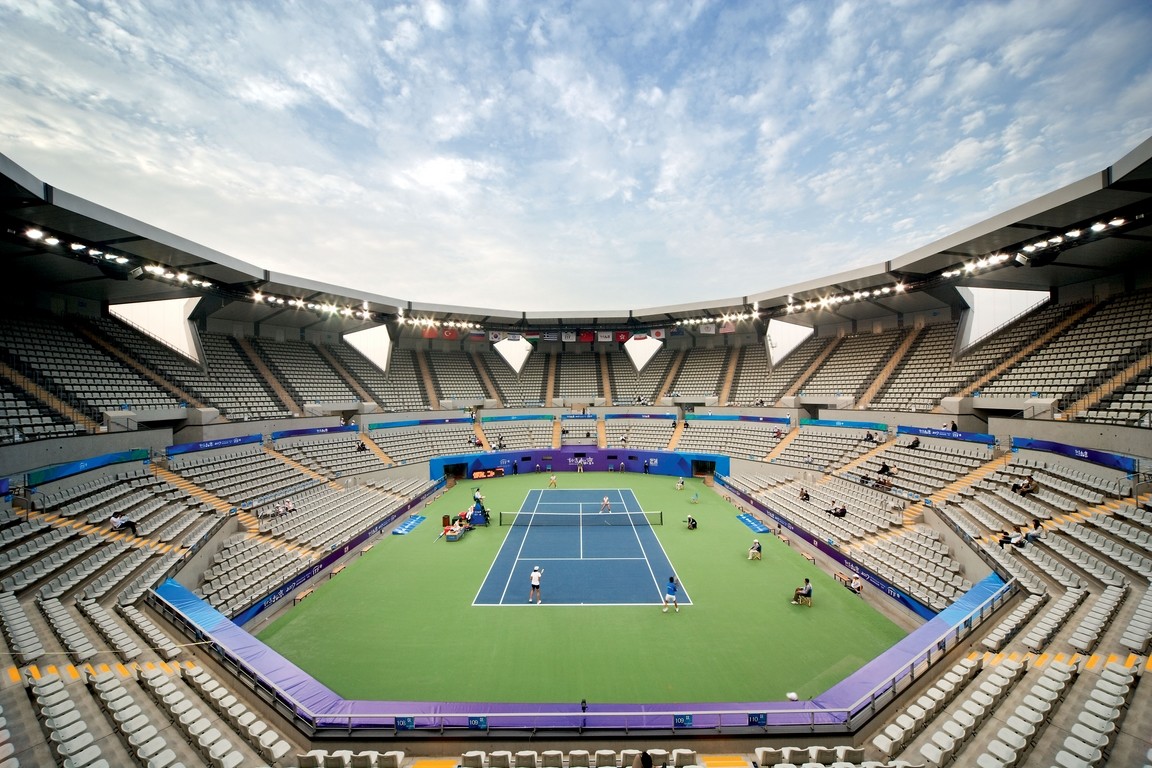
<point x="683" y="757"/>
<point x="628" y="758"/>
<point x="579" y="758"/>
<point x="526" y="758"/>
<point x="501" y="758"/>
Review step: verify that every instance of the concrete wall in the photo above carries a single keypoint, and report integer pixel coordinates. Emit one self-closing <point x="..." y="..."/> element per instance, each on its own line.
<point x="22" y="457"/>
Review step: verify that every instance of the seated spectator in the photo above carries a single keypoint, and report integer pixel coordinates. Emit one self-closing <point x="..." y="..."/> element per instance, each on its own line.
<point x="1016" y="539"/>
<point x="868" y="438"/>
<point x="360" y="447"/>
<point x="885" y="469"/>
<point x="1026" y="486"/>
<point x="855" y="585"/>
<point x="804" y="495"/>
<point x="1037" y="531"/>
<point x="691" y="521"/>
<point x="121" y="522"/>
<point x="803" y="591"/>
<point x="915" y="443"/>
<point x="289" y="506"/>
<point x="840" y="511"/>
<point x="883" y="483"/>
<point x="755" y="550"/>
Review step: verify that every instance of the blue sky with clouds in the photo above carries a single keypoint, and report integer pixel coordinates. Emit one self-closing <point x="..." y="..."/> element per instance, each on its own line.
<point x="569" y="155"/>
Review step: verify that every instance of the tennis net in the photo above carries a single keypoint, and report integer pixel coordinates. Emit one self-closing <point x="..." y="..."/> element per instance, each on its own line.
<point x="639" y="519"/>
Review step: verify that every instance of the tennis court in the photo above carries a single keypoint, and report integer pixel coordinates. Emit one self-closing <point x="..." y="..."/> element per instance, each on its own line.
<point x="588" y="555"/>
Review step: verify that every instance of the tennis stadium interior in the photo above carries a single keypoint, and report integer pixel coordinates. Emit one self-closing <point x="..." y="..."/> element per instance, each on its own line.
<point x="1027" y="611"/>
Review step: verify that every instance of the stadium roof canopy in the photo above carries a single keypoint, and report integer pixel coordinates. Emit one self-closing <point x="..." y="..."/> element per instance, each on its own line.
<point x="54" y="242"/>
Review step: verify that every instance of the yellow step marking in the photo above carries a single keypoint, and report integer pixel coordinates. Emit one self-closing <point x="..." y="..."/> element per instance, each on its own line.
<point x="722" y="761"/>
<point x="14" y="674"/>
<point x="425" y="762"/>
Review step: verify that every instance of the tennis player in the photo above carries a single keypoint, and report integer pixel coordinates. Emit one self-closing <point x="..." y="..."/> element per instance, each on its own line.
<point x="670" y="594"/>
<point x="534" y="592"/>
<point x="605" y="505"/>
<point x="552" y="480"/>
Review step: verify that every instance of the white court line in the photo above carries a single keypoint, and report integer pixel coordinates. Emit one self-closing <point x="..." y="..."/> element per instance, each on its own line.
<point x="516" y="560"/>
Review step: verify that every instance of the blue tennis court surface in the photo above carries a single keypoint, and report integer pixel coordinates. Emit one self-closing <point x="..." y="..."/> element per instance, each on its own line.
<point x="589" y="557"/>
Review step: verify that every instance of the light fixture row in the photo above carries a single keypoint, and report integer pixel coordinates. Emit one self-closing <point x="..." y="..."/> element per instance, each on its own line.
<point x="268" y="299"/>
<point x="433" y="322"/>
<point x="725" y="318"/>
<point x="835" y="300"/>
<point x="80" y="249"/>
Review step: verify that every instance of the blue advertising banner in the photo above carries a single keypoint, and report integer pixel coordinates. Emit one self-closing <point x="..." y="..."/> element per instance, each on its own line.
<point x="947" y="434"/>
<point x="574" y="458"/>
<point x="527" y="417"/>
<point x="737" y="417"/>
<point x="314" y="431"/>
<point x="1114" y="460"/>
<point x="843" y="424"/>
<point x="569" y="416"/>
<point x="207" y="445"/>
<point x="419" y="422"/>
<point x="665" y="416"/>
<point x="55" y="472"/>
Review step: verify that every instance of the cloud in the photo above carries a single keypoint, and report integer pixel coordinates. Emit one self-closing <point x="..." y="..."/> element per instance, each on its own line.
<point x="549" y="155"/>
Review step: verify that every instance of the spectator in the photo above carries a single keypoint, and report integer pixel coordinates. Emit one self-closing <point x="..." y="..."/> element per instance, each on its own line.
<point x="1026" y="486"/>
<point x="885" y="469"/>
<point x="915" y="443"/>
<point x="804" y="495"/>
<point x="1037" y="531"/>
<point x="868" y="437"/>
<point x="121" y="522"/>
<point x="360" y="447"/>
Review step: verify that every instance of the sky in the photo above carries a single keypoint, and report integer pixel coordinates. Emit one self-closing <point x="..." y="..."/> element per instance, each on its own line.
<point x="573" y="155"/>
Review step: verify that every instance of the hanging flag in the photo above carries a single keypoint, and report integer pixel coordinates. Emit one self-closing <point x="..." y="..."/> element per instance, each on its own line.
<point x="603" y="335"/>
<point x="657" y="333"/>
<point x="512" y="336"/>
<point x="431" y="332"/>
<point x="588" y="336"/>
<point x="640" y="336"/>
<point x="568" y="336"/>
<point x="477" y="336"/>
<point x="623" y="336"/>
<point x="451" y="334"/>
<point x="532" y="337"/>
<point x="495" y="335"/>
<point x="728" y="327"/>
<point x="676" y="330"/>
<point x="708" y="328"/>
<point x="550" y="336"/>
